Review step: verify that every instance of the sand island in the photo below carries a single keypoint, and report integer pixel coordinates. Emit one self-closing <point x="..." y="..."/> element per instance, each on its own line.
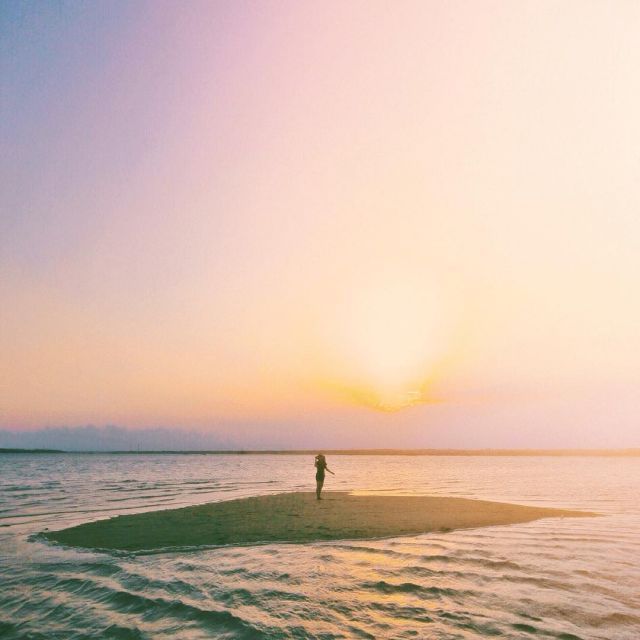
<point x="296" y="518"/>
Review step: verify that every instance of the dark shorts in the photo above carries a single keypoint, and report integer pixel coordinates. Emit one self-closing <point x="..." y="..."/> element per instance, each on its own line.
<point x="319" y="477"/>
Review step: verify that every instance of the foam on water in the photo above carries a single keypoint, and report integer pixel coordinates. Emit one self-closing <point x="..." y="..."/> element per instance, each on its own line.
<point x="555" y="578"/>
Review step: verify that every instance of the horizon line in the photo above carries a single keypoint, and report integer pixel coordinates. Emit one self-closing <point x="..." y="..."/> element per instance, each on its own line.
<point x="559" y="452"/>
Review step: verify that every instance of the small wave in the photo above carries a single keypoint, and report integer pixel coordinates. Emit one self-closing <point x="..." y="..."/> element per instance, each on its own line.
<point x="408" y="587"/>
<point x="439" y="558"/>
<point x="101" y="569"/>
<point x="130" y="603"/>
<point x="617" y="619"/>
<point x="289" y="596"/>
<point x="235" y="597"/>
<point x="520" y="626"/>
<point x="372" y="550"/>
<point x="415" y="614"/>
<point x="117" y="632"/>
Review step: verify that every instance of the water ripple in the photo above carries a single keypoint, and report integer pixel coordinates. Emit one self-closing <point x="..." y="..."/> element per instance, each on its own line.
<point x="555" y="578"/>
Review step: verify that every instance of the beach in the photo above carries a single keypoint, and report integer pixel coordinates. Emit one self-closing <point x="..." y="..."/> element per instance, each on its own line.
<point x="297" y="517"/>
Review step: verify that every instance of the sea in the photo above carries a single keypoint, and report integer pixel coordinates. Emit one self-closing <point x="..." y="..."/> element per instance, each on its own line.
<point x="562" y="578"/>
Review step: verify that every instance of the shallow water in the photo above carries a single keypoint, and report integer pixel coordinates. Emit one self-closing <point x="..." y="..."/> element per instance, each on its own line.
<point x="555" y="578"/>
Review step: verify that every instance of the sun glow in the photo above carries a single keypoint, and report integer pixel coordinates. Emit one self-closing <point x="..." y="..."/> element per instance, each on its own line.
<point x="388" y="344"/>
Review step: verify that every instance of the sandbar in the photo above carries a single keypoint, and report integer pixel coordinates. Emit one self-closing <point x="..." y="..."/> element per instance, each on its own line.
<point x="296" y="518"/>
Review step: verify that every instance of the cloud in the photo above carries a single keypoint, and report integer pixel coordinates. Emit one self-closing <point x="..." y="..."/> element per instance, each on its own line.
<point x="112" y="438"/>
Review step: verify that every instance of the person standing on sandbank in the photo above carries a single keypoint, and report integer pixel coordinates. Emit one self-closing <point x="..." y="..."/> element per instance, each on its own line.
<point x="321" y="466"/>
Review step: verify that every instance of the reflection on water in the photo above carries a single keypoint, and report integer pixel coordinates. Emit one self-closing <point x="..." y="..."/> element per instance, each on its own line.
<point x="557" y="578"/>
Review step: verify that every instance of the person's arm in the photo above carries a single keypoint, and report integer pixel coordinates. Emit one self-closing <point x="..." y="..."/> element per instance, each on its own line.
<point x="329" y="470"/>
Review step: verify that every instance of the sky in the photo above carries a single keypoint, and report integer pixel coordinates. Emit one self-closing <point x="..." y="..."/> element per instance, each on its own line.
<point x="339" y="224"/>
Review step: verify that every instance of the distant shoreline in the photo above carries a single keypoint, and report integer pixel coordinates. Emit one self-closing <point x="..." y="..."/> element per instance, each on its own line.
<point x="9" y="450"/>
<point x="589" y="453"/>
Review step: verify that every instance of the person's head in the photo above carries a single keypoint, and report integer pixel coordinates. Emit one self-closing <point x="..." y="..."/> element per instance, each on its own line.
<point x="320" y="457"/>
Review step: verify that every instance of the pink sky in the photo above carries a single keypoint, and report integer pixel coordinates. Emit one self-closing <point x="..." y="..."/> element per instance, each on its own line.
<point x="344" y="224"/>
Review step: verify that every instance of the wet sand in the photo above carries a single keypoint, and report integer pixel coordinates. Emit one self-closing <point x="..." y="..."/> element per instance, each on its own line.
<point x="297" y="518"/>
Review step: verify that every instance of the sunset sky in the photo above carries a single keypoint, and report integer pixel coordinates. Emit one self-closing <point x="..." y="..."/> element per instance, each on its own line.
<point x="294" y="224"/>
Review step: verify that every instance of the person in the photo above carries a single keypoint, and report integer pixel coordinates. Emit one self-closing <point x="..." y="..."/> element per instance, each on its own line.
<point x="321" y="466"/>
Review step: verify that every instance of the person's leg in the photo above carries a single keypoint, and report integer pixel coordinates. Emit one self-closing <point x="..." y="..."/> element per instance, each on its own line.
<point x="319" y="484"/>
